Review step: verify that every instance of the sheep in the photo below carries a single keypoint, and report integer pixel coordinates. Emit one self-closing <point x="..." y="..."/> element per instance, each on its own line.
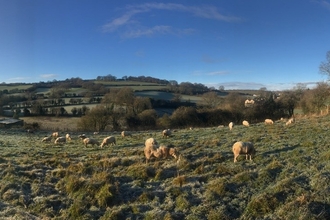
<point x="68" y="137"/>
<point x="246" y="148"/>
<point x="82" y="136"/>
<point x="249" y="103"/>
<point x="246" y="123"/>
<point x="108" y="140"/>
<point x="95" y="132"/>
<point x="60" y="140"/>
<point x="151" y="149"/>
<point x="290" y="121"/>
<point x="269" y="122"/>
<point x="47" y="139"/>
<point x="231" y="125"/>
<point x="166" y="133"/>
<point x="168" y="151"/>
<point x="91" y="141"/>
<point x="55" y="135"/>
<point x="126" y="134"/>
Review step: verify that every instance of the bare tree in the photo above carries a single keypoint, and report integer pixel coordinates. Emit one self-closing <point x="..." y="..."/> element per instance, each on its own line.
<point x="325" y="65"/>
<point x="211" y="99"/>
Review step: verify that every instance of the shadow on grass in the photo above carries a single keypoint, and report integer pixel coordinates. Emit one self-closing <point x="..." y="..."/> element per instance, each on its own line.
<point x="277" y="151"/>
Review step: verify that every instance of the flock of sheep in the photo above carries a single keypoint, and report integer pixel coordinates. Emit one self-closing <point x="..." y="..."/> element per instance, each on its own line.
<point x="153" y="150"/>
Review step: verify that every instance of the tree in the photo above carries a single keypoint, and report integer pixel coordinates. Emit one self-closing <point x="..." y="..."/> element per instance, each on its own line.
<point x="140" y="104"/>
<point x="95" y="120"/>
<point x="325" y="65"/>
<point x="221" y="88"/>
<point x="313" y="101"/>
<point x="211" y="99"/>
<point x="288" y="101"/>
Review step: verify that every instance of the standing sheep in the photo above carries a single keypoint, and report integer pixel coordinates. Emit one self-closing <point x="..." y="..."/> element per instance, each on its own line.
<point x="231" y="125"/>
<point x="68" y="137"/>
<point x="151" y="149"/>
<point x="166" y="133"/>
<point x="290" y="121"/>
<point x="269" y="122"/>
<point x="55" y="135"/>
<point x="168" y="151"/>
<point x="47" y="139"/>
<point x="126" y="134"/>
<point x="60" y="140"/>
<point x="246" y="148"/>
<point x="246" y="123"/>
<point x="90" y="141"/>
<point x="108" y="140"/>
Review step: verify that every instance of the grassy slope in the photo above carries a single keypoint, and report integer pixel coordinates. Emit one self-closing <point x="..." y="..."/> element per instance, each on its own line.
<point x="288" y="178"/>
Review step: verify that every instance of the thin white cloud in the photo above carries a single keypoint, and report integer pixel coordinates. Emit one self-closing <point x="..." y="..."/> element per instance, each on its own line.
<point x="206" y="12"/>
<point x="257" y="86"/>
<point x="148" y="32"/>
<point x="18" y="79"/>
<point x="48" y="76"/>
<point x="325" y="4"/>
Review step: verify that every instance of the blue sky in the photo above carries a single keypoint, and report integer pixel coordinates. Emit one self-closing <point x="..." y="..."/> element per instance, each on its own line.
<point x="239" y="44"/>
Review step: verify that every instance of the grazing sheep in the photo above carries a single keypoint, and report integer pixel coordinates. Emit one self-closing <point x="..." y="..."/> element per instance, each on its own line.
<point x="126" y="134"/>
<point x="55" y="135"/>
<point x="90" y="141"/>
<point x="82" y="136"/>
<point x="151" y="149"/>
<point x="96" y="133"/>
<point x="269" y="122"/>
<point x="246" y="123"/>
<point x="168" y="151"/>
<point x="108" y="140"/>
<point x="68" y="137"/>
<point x="47" y="139"/>
<point x="246" y="148"/>
<point x="60" y="140"/>
<point x="231" y="125"/>
<point x="290" y="121"/>
<point x="166" y="133"/>
<point x="249" y="103"/>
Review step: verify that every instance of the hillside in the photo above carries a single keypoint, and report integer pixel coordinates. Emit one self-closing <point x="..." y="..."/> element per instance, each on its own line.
<point x="287" y="179"/>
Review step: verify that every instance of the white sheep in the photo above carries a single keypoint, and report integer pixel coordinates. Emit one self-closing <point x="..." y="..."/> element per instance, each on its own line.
<point x="60" y="140"/>
<point x="168" y="151"/>
<point x="246" y="148"/>
<point x="246" y="123"/>
<point x="231" y="125"/>
<point x="151" y="149"/>
<point x="108" y="140"/>
<point x="269" y="122"/>
<point x="90" y="141"/>
<point x="55" y="135"/>
<point x="290" y="121"/>
<point x="126" y="134"/>
<point x="68" y="137"/>
<point x="166" y="133"/>
<point x="47" y="139"/>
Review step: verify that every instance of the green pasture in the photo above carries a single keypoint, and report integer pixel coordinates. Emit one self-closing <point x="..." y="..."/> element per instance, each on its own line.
<point x="288" y="177"/>
<point x="11" y="87"/>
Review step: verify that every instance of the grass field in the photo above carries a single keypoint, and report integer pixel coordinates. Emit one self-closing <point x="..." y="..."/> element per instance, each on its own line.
<point x="287" y="179"/>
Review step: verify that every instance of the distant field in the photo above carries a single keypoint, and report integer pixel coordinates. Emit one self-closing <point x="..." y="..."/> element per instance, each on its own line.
<point x="168" y="96"/>
<point x="287" y="179"/>
<point x="11" y="87"/>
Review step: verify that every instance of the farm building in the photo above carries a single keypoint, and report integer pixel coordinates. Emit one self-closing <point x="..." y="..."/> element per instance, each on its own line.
<point x="10" y="122"/>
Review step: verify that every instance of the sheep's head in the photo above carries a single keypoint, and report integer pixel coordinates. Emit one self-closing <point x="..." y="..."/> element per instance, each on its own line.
<point x="174" y="153"/>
